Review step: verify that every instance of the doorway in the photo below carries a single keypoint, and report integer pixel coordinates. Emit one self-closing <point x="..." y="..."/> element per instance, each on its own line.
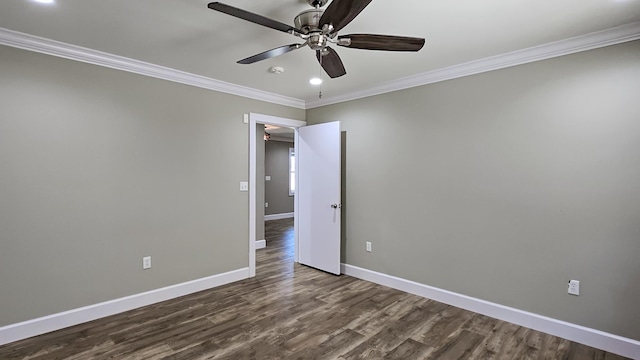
<point x="255" y="119"/>
<point x="279" y="172"/>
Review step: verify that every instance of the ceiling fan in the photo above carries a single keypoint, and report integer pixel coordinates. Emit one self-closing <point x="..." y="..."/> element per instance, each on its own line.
<point x="319" y="28"/>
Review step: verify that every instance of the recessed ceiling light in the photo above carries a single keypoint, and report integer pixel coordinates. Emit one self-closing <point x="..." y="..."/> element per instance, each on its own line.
<point x="315" y="81"/>
<point x="45" y="1"/>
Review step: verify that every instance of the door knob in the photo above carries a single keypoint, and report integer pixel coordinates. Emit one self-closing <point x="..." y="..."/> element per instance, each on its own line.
<point x="336" y="206"/>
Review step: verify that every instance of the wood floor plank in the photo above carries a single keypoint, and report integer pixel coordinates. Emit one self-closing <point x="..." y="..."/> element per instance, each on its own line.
<point x="580" y="351"/>
<point x="531" y="349"/>
<point x="320" y="326"/>
<point x="409" y="350"/>
<point x="492" y="347"/>
<point x="197" y="351"/>
<point x="460" y="346"/>
<point x="153" y="352"/>
<point x="290" y="311"/>
<point x="390" y="337"/>
<point x="258" y="350"/>
<point x="481" y="324"/>
<point x="451" y="321"/>
<point x="330" y="348"/>
<point x="372" y="323"/>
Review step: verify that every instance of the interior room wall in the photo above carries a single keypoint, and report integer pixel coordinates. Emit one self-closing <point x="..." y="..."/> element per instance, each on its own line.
<point x="505" y="185"/>
<point x="277" y="166"/>
<point x="99" y="168"/>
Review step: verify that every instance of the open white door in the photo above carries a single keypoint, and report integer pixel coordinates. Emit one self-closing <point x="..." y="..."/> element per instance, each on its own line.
<point x="318" y="196"/>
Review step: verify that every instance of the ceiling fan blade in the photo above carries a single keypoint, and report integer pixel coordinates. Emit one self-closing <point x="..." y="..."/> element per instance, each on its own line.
<point x="340" y="12"/>
<point x="331" y="63"/>
<point x="270" y="53"/>
<point x="254" y="18"/>
<point x="381" y="42"/>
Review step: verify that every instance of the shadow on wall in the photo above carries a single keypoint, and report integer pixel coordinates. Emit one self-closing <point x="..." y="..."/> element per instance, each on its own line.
<point x="630" y="290"/>
<point x="343" y="197"/>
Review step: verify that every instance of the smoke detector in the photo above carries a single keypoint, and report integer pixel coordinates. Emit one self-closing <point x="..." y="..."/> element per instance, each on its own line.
<point x="276" y="70"/>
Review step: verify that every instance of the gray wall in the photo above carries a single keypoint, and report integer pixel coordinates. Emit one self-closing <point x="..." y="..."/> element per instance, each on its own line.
<point x="260" y="186"/>
<point x="277" y="166"/>
<point x="505" y="185"/>
<point x="99" y="168"/>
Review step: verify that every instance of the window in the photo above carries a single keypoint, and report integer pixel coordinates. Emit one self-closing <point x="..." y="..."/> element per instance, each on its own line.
<point x="292" y="172"/>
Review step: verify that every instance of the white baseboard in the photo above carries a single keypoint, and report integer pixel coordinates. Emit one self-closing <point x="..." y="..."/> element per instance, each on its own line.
<point x="278" y="216"/>
<point x="584" y="335"/>
<point x="261" y="244"/>
<point x="27" y="329"/>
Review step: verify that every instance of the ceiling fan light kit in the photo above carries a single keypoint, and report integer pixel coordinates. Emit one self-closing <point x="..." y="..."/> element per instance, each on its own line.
<point x="319" y="29"/>
<point x="315" y="81"/>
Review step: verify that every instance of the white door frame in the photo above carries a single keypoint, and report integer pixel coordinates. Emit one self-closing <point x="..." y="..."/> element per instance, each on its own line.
<point x="255" y="119"/>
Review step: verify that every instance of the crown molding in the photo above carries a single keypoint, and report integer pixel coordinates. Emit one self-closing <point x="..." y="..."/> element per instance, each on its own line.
<point x="595" y="40"/>
<point x="56" y="48"/>
<point x="612" y="36"/>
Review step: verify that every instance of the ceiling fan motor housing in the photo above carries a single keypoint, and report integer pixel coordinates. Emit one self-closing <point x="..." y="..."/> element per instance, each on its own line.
<point x="308" y="21"/>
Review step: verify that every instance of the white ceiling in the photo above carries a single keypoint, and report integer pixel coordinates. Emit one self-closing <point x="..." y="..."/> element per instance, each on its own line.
<point x="187" y="36"/>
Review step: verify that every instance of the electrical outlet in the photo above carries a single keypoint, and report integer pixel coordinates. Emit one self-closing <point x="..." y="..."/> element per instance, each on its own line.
<point x="146" y="262"/>
<point x="368" y="246"/>
<point x="266" y="204"/>
<point x="574" y="287"/>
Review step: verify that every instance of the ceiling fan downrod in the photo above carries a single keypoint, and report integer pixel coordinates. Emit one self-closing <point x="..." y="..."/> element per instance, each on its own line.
<point x="317" y="3"/>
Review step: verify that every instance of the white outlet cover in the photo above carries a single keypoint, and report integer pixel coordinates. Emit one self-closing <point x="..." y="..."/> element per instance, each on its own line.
<point x="574" y="287"/>
<point x="267" y="178"/>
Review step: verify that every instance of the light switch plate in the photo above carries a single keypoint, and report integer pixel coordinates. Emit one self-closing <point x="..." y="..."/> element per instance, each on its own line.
<point x="146" y="262"/>
<point x="244" y="186"/>
<point x="267" y="178"/>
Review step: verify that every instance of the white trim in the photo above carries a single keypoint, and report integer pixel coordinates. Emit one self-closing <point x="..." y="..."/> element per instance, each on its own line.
<point x="292" y="157"/>
<point x="584" y="335"/>
<point x="281" y="138"/>
<point x="296" y="200"/>
<point x="275" y="120"/>
<point x="261" y="244"/>
<point x="252" y="195"/>
<point x="27" y="329"/>
<point x="278" y="216"/>
<point x="56" y="48"/>
<point x="612" y="36"/>
<point x="595" y="40"/>
<point x="254" y="119"/>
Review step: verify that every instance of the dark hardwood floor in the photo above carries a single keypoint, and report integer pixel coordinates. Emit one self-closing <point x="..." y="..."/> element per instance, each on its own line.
<point x="293" y="312"/>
